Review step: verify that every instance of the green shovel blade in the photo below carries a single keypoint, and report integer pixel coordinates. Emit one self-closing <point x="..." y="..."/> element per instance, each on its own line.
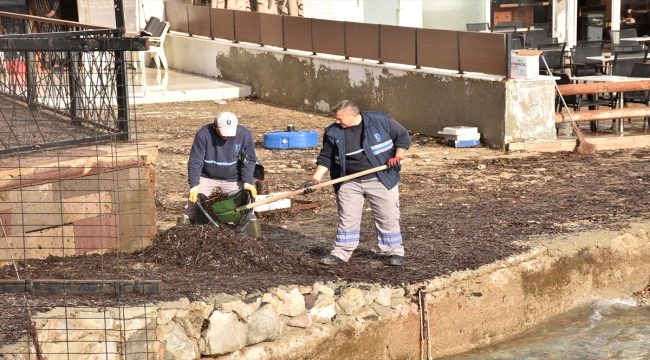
<point x="223" y="206"/>
<point x="229" y="217"/>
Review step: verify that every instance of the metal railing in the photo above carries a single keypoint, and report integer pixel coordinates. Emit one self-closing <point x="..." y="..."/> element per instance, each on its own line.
<point x="61" y="83"/>
<point x="460" y="51"/>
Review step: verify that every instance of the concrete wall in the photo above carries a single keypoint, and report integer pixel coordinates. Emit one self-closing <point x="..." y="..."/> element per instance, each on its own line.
<point x="423" y="100"/>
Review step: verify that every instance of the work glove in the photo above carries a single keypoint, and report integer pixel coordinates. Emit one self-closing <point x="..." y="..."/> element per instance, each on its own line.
<point x="394" y="163"/>
<point x="194" y="194"/>
<point x="250" y="188"/>
<point x="307" y="184"/>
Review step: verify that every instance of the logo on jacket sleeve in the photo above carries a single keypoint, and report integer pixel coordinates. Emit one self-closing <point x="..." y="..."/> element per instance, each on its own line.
<point x="378" y="137"/>
<point x="237" y="147"/>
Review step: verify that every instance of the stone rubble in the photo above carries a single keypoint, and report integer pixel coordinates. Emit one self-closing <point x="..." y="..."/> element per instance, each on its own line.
<point x="219" y="325"/>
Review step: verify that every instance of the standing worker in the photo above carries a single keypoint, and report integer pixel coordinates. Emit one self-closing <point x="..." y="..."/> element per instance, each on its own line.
<point x="222" y="156"/>
<point x="359" y="141"/>
<point x="45" y="8"/>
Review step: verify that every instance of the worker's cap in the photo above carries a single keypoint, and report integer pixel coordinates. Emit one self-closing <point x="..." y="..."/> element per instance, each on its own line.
<point x="227" y="123"/>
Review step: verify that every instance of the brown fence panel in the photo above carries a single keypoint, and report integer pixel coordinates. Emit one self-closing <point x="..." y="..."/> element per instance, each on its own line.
<point x="222" y="23"/>
<point x="483" y="52"/>
<point x="437" y="48"/>
<point x="271" y="30"/>
<point x="397" y="44"/>
<point x="362" y="40"/>
<point x="199" y="20"/>
<point x="328" y="36"/>
<point x="247" y="26"/>
<point x="297" y="33"/>
<point x="176" y="15"/>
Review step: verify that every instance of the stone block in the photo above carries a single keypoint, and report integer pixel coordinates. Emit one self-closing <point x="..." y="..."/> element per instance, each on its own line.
<point x="138" y="342"/>
<point x="201" y="308"/>
<point x="302" y="321"/>
<point x="380" y="309"/>
<point x="267" y="298"/>
<point x="243" y="310"/>
<point x="87" y="206"/>
<point x="86" y="185"/>
<point x="325" y="290"/>
<point x="5" y="222"/>
<point x="192" y="324"/>
<point x="225" y="334"/>
<point x="264" y="325"/>
<point x="134" y="197"/>
<point x="293" y="303"/>
<point x="175" y="343"/>
<point x="366" y="312"/>
<point x="324" y="308"/>
<point x="28" y="195"/>
<point x="351" y="300"/>
<point x="137" y="228"/>
<point x="96" y="235"/>
<point x="344" y="322"/>
<point x="383" y="297"/>
<point x="396" y="301"/>
<point x="370" y="296"/>
<point x="309" y="300"/>
<point x="58" y="241"/>
<point x="396" y="293"/>
<point x="32" y="217"/>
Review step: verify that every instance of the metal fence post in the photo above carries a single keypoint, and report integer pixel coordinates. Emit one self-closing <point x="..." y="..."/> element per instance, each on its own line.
<point x="121" y="81"/>
<point x="508" y="50"/>
<point x="30" y="69"/>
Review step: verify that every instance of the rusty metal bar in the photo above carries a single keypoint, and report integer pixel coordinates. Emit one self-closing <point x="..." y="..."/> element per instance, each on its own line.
<point x="120" y="287"/>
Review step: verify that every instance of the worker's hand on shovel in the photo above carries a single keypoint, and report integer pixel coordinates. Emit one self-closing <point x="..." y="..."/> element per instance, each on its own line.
<point x="194" y="194"/>
<point x="307" y="184"/>
<point x="250" y="188"/>
<point x="394" y="163"/>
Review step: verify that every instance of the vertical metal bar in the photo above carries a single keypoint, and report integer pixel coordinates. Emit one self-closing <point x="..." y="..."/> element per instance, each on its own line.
<point x="119" y="15"/>
<point x="30" y="69"/>
<point x="73" y="76"/>
<point x="234" y="27"/>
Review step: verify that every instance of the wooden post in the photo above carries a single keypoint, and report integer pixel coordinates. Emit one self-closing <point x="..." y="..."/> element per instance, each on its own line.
<point x="597" y="88"/>
<point x="607" y="114"/>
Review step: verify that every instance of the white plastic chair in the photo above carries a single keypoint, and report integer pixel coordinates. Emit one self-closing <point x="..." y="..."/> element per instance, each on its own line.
<point x="156" y="42"/>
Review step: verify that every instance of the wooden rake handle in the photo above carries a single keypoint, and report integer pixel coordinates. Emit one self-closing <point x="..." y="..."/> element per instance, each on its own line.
<point x="317" y="186"/>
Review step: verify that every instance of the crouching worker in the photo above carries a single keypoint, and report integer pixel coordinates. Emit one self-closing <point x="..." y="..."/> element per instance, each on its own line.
<point x="359" y="141"/>
<point x="215" y="160"/>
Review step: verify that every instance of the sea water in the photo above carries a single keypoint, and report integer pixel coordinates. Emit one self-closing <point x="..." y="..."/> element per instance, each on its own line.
<point x="615" y="329"/>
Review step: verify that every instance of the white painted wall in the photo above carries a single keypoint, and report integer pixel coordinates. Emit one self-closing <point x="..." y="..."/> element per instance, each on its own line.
<point x="453" y="14"/>
<point x="102" y="13"/>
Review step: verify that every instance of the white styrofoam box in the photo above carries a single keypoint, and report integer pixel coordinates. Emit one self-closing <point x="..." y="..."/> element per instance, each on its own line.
<point x="475" y="136"/>
<point x="525" y="64"/>
<point x="458" y="130"/>
<point x="279" y="204"/>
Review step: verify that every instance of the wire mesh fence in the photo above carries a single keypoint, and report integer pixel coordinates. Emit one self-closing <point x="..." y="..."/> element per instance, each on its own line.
<point x="76" y="195"/>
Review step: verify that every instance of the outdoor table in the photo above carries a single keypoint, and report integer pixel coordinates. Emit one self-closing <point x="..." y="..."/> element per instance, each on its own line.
<point x="641" y="39"/>
<point x="610" y="78"/>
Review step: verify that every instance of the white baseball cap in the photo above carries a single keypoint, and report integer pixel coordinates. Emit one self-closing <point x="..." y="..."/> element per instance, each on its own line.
<point x="227" y="123"/>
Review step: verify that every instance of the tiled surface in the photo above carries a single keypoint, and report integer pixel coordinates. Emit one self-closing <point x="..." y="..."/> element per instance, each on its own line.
<point x="156" y="85"/>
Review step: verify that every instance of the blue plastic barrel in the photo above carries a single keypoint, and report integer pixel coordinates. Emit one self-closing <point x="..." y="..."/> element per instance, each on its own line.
<point x="300" y="139"/>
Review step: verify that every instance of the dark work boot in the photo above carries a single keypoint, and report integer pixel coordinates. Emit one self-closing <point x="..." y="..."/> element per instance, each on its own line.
<point x="395" y="260"/>
<point x="330" y="260"/>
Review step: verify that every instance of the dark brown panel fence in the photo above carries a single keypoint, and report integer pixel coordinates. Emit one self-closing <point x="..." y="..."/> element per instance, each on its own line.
<point x="176" y="15"/>
<point x="271" y="30"/>
<point x="328" y="36"/>
<point x="460" y="51"/>
<point x="397" y="44"/>
<point x="437" y="48"/>
<point x="199" y="21"/>
<point x="247" y="26"/>
<point x="484" y="53"/>
<point x="362" y="40"/>
<point x="297" y="33"/>
<point x="223" y="23"/>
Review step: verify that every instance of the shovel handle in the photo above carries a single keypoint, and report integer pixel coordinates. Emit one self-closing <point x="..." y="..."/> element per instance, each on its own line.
<point x="317" y="186"/>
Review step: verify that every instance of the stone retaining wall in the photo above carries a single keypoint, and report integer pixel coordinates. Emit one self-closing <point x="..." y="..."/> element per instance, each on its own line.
<point x="78" y="201"/>
<point x="343" y="321"/>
